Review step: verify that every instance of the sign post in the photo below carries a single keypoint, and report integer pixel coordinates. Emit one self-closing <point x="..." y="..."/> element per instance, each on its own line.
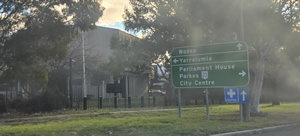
<point x="241" y="112"/>
<point x="237" y="95"/>
<point x="207" y="104"/>
<point x="179" y="102"/>
<point x="210" y="66"/>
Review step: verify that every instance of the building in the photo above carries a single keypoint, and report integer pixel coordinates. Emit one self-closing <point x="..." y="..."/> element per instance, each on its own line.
<point x="97" y="49"/>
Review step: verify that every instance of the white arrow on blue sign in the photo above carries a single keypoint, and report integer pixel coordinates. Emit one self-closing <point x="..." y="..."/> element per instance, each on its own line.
<point x="243" y="95"/>
<point x="236" y="95"/>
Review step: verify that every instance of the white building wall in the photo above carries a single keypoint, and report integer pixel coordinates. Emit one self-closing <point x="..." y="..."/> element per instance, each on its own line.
<point x="97" y="46"/>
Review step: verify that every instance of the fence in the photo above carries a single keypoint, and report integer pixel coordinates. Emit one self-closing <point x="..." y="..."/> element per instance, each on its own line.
<point x="141" y="102"/>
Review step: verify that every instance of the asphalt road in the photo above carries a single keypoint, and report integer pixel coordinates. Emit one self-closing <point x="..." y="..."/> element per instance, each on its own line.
<point x="286" y="131"/>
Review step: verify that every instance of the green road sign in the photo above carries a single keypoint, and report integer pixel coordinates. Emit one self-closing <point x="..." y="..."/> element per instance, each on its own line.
<point x="210" y="66"/>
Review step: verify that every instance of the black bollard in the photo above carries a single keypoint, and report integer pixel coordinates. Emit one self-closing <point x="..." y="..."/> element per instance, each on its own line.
<point x="166" y="100"/>
<point x="84" y="103"/>
<point x="100" y="102"/>
<point x="148" y="101"/>
<point x="129" y="102"/>
<point x="154" y="101"/>
<point x="142" y="101"/>
<point x="115" y="101"/>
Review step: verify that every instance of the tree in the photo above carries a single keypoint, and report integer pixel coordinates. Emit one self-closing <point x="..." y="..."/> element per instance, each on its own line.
<point x="128" y="55"/>
<point x="285" y="59"/>
<point x="34" y="33"/>
<point x="265" y="37"/>
<point x="172" y="23"/>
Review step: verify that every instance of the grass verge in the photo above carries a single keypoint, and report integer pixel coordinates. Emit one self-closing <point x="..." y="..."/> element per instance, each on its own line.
<point x="224" y="118"/>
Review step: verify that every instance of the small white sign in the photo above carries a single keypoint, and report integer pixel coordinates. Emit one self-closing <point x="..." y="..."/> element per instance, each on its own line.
<point x="204" y="74"/>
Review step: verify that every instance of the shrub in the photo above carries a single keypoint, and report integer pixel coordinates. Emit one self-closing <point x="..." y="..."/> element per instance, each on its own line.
<point x="3" y="107"/>
<point x="48" y="100"/>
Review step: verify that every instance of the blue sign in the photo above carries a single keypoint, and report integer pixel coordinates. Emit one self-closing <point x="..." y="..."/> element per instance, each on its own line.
<point x="243" y="95"/>
<point x="231" y="95"/>
<point x="236" y="95"/>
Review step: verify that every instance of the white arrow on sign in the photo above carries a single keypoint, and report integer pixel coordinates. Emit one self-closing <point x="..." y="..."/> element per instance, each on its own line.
<point x="239" y="46"/>
<point x="244" y="94"/>
<point x="243" y="73"/>
<point x="175" y="60"/>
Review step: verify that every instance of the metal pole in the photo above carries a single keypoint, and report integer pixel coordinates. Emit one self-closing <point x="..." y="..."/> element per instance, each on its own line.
<point x="115" y="100"/>
<point x="129" y="102"/>
<point x="242" y="20"/>
<point x="6" y="93"/>
<point x="101" y="103"/>
<point x="11" y="92"/>
<point x="103" y="89"/>
<point x="18" y="88"/>
<point x="241" y="112"/>
<point x="83" y="72"/>
<point x="207" y="104"/>
<point x="154" y="101"/>
<point x="245" y="107"/>
<point x="142" y="101"/>
<point x="179" y="102"/>
<point x="148" y="93"/>
<point x="70" y="84"/>
<point x="126" y="89"/>
<point x="98" y="82"/>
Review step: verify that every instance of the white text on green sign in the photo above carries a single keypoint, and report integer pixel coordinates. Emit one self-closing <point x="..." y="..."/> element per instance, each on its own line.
<point x="218" y="65"/>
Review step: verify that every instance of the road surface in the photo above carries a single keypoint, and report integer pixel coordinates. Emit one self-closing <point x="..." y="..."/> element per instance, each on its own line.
<point x="286" y="131"/>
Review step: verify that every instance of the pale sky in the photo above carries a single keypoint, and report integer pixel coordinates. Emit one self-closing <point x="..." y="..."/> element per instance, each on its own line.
<point x="113" y="12"/>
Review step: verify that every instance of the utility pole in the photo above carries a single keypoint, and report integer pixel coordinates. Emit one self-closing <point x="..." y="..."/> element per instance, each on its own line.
<point x="83" y="73"/>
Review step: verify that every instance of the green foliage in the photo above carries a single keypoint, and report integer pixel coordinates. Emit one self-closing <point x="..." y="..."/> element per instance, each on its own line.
<point x="3" y="107"/>
<point x="33" y="33"/>
<point x="37" y="74"/>
<point x="128" y="56"/>
<point x="46" y="101"/>
<point x="292" y="47"/>
<point x="58" y="79"/>
<point x="172" y="23"/>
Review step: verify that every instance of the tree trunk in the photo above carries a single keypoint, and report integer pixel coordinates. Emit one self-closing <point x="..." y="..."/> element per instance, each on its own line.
<point x="275" y="97"/>
<point x="258" y="82"/>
